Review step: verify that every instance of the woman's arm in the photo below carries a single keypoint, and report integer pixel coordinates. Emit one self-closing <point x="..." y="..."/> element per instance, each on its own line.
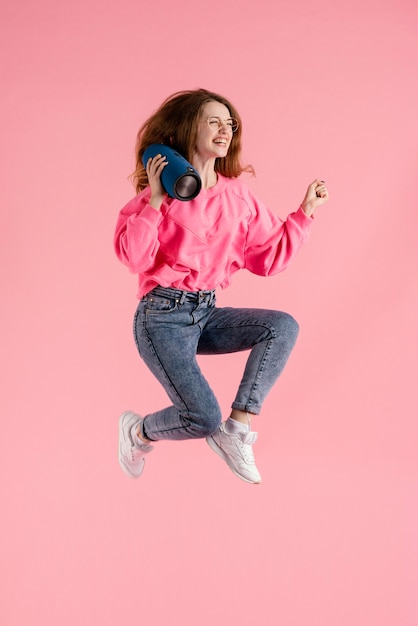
<point x="271" y="242"/>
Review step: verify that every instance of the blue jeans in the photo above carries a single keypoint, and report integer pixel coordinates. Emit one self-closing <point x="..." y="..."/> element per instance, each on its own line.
<point x="171" y="327"/>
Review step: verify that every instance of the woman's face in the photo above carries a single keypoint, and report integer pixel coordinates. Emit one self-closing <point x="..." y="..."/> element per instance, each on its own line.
<point x="214" y="138"/>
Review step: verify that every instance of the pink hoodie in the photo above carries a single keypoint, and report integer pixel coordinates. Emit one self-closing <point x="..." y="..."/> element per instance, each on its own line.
<point x="198" y="245"/>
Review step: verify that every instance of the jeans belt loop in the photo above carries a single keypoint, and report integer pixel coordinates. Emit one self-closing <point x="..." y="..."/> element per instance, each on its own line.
<point x="204" y="294"/>
<point x="182" y="297"/>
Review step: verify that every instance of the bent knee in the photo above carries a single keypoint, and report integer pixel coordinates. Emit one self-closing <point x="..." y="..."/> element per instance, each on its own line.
<point x="292" y="325"/>
<point x="206" y="424"/>
<point x="285" y="326"/>
<point x="211" y="424"/>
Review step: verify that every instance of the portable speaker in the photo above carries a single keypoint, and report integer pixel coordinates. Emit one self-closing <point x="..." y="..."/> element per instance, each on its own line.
<point x="179" y="178"/>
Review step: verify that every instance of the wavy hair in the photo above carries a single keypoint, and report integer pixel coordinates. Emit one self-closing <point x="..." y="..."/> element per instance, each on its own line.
<point x="175" y="123"/>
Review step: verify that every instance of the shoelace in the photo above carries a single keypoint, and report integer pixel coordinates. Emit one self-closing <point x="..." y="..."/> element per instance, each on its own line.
<point x="245" y="445"/>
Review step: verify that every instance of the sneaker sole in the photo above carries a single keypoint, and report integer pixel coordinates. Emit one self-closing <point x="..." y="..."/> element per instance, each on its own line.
<point x="214" y="446"/>
<point x="125" y="416"/>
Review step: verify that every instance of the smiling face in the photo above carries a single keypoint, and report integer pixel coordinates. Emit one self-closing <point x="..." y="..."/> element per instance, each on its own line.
<point x="213" y="142"/>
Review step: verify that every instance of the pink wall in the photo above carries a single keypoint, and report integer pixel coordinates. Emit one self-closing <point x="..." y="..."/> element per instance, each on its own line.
<point x="326" y="89"/>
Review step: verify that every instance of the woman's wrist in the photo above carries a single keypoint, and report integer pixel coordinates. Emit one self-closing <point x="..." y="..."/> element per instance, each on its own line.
<point x="155" y="202"/>
<point x="308" y="208"/>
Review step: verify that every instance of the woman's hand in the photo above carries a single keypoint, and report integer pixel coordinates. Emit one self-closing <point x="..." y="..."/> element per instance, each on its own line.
<point x="154" y="169"/>
<point x="316" y="195"/>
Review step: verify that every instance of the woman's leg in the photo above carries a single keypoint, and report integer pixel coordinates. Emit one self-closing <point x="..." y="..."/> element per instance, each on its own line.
<point x="167" y="334"/>
<point x="270" y="335"/>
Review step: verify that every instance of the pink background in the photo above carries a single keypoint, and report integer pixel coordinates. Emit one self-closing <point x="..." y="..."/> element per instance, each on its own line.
<point x="326" y="89"/>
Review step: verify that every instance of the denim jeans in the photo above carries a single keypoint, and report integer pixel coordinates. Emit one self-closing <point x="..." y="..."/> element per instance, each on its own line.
<point x="171" y="327"/>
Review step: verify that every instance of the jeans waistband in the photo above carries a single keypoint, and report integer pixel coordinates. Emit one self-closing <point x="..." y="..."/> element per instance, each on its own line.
<point x="184" y="296"/>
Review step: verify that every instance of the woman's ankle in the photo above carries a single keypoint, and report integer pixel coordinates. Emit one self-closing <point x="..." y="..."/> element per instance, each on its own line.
<point x="241" y="416"/>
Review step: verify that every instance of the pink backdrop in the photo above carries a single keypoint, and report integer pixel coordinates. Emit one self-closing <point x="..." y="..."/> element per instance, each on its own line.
<point x="326" y="89"/>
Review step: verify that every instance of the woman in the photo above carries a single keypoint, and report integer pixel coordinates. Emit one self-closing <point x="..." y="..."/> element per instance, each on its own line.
<point x="182" y="252"/>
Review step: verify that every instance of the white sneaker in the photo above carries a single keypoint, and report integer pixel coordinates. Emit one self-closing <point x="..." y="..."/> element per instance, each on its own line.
<point x="131" y="454"/>
<point x="236" y="450"/>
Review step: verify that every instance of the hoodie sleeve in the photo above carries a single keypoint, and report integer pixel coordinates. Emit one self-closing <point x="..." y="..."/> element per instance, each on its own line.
<point x="136" y="235"/>
<point x="272" y="242"/>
